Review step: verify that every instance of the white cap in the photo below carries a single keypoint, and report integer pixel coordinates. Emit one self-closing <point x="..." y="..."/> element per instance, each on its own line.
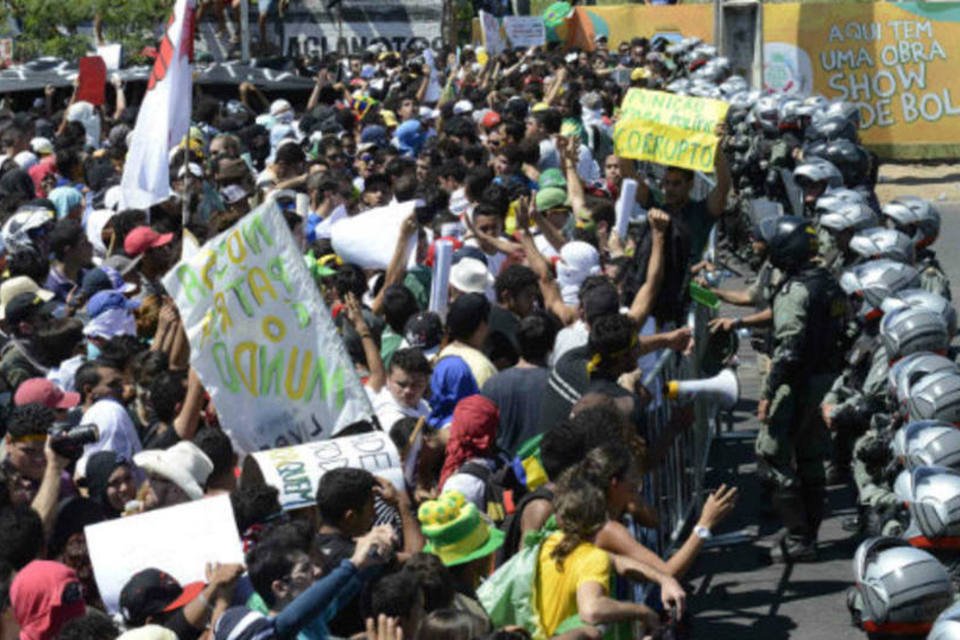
<point x="462" y="107"/>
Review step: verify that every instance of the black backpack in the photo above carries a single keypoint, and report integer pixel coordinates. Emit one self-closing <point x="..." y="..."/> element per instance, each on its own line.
<point x="511" y="525"/>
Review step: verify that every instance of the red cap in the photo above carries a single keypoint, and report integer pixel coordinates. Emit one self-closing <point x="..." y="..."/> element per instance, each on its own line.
<point x="43" y="391"/>
<point x="190" y="591"/>
<point x="490" y="120"/>
<point x="143" y="238"/>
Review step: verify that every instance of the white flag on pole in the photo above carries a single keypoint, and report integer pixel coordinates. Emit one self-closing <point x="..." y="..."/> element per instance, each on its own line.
<point x="164" y="117"/>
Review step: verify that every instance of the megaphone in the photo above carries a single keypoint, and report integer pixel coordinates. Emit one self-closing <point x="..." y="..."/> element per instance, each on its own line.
<point x="723" y="389"/>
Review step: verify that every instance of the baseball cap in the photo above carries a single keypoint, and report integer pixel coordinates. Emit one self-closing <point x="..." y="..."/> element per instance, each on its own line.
<point x="45" y="392"/>
<point x="552" y="178"/>
<point x="424" y="331"/>
<point x="551" y="198"/>
<point x="22" y="306"/>
<point x="109" y="299"/>
<point x="151" y="592"/>
<point x="143" y="238"/>
<point x="490" y="120"/>
<point x="18" y="285"/>
<point x="462" y="107"/>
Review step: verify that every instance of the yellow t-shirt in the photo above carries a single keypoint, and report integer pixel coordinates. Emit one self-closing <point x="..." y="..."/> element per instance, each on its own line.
<point x="557" y="590"/>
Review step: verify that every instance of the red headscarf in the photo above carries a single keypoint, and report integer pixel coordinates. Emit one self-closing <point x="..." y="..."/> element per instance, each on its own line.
<point x="473" y="433"/>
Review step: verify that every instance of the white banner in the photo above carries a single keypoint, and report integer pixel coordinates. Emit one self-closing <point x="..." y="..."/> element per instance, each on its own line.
<point x="262" y="340"/>
<point x="305" y="38"/>
<point x="164" y="116"/>
<point x="296" y="471"/>
<point x="525" y="31"/>
<point x="369" y="239"/>
<point x="178" y="540"/>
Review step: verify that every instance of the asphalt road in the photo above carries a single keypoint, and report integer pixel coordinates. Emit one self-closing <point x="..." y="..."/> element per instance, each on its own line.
<point x="735" y="593"/>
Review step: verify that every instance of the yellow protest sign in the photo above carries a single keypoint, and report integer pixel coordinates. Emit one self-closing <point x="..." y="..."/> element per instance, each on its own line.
<point x="894" y="60"/>
<point x="678" y="131"/>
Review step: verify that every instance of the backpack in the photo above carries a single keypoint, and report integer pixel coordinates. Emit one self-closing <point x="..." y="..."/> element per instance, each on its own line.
<point x="511" y="525"/>
<point x="498" y="488"/>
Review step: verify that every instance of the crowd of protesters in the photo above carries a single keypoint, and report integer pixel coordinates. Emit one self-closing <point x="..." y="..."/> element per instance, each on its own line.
<point x="550" y="311"/>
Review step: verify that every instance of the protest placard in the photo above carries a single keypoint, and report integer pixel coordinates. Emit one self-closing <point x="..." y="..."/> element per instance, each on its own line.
<point x="669" y="129"/>
<point x="525" y="31"/>
<point x="490" y="28"/>
<point x="369" y="239"/>
<point x="296" y="471"/>
<point x="179" y="540"/>
<point x="261" y="338"/>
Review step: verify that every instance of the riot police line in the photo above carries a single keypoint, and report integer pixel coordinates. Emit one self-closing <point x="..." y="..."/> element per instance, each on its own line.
<point x="852" y="310"/>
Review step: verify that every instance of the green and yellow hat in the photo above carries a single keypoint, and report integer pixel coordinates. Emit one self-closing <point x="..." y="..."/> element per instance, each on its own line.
<point x="455" y="531"/>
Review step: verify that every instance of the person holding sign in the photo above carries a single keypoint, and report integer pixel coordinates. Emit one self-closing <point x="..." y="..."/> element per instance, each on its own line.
<point x="690" y="224"/>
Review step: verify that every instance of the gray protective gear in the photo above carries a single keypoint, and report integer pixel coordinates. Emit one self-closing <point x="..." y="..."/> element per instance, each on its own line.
<point x="916" y="217"/>
<point x="896" y="585"/>
<point x="923" y="299"/>
<point x="912" y="330"/>
<point x="849" y="217"/>
<point x="927" y="443"/>
<point x="936" y="397"/>
<point x="878" y="242"/>
<point x="909" y="370"/>
<point x="947" y="625"/>
<point x="874" y="281"/>
<point x="819" y="171"/>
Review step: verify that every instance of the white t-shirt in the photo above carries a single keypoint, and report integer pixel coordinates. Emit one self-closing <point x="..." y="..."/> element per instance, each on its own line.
<point x="389" y="410"/>
<point x="117" y="432"/>
<point x="576" y="335"/>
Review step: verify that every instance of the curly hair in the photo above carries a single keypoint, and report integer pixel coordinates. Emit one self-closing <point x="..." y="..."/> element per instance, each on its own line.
<point x="581" y="510"/>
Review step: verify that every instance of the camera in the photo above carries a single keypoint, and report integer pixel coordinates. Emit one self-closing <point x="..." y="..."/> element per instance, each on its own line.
<point x="68" y="440"/>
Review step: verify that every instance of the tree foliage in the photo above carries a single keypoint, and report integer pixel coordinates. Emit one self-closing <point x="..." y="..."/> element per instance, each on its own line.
<point x="66" y="29"/>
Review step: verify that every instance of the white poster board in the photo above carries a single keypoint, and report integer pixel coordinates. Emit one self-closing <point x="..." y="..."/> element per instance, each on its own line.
<point x="525" y="31"/>
<point x="369" y="239"/>
<point x="490" y="28"/>
<point x="296" y="471"/>
<point x="179" y="540"/>
<point x="262" y="340"/>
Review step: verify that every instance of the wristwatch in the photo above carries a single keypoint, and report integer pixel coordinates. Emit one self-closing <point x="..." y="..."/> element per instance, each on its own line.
<point x="702" y="532"/>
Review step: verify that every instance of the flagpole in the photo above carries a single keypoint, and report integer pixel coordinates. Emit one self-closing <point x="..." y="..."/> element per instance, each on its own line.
<point x="185" y="204"/>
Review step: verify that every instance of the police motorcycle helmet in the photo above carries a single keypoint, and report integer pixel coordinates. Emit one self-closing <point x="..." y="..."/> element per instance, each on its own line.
<point x="817" y="101"/>
<point x="818" y="171"/>
<point x="898" y="590"/>
<point x="852" y="216"/>
<point x="934" y="506"/>
<point x="927" y="443"/>
<point x="678" y="86"/>
<point x="936" y="397"/>
<point x="845" y="110"/>
<point x="834" y="198"/>
<point x="850" y="158"/>
<point x="766" y="112"/>
<point x="912" y="330"/>
<point x="907" y="371"/>
<point x="832" y="128"/>
<point x="914" y="216"/>
<point x="880" y="242"/>
<point x="947" y="625"/>
<point x="792" y="244"/>
<point x="734" y="85"/>
<point x="869" y="283"/>
<point x="926" y="300"/>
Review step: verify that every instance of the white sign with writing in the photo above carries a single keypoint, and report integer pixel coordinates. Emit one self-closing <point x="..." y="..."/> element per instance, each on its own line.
<point x="492" y="40"/>
<point x="525" y="31"/>
<point x="262" y="340"/>
<point x="296" y="471"/>
<point x="178" y="540"/>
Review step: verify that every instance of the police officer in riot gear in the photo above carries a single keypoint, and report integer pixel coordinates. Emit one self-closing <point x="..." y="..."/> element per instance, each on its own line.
<point x="920" y="220"/>
<point x="809" y="315"/>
